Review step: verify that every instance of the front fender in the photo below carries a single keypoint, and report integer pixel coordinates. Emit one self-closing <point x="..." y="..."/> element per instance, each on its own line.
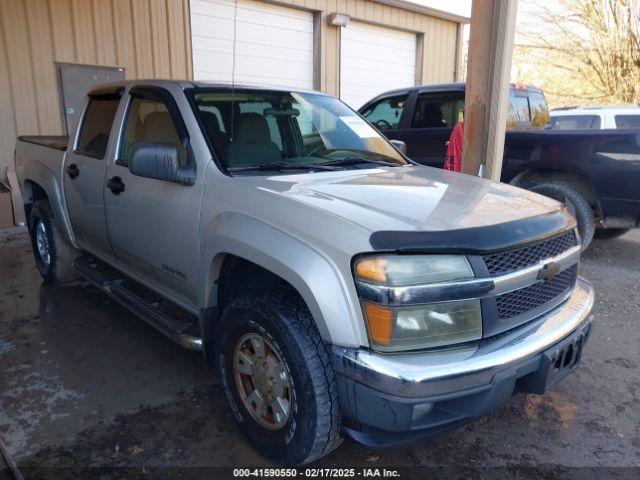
<point x="330" y="296"/>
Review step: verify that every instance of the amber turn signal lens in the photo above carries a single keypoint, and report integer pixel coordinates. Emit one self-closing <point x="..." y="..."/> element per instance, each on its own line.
<point x="380" y="322"/>
<point x="373" y="269"/>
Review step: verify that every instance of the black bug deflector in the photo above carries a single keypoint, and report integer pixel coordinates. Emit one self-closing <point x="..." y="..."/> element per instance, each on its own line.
<point x="477" y="240"/>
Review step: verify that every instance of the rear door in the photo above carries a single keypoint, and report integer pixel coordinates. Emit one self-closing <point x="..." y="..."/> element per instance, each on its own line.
<point x="85" y="167"/>
<point x="153" y="224"/>
<point x="432" y="120"/>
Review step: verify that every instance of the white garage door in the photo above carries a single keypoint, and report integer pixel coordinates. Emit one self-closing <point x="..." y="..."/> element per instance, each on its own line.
<point x="373" y="60"/>
<point x="274" y="45"/>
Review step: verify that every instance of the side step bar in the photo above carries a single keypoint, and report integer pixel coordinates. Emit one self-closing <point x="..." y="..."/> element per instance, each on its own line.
<point x="165" y="324"/>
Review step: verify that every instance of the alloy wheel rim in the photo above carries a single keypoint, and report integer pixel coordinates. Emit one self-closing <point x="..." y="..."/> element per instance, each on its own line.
<point x="42" y="244"/>
<point x="263" y="381"/>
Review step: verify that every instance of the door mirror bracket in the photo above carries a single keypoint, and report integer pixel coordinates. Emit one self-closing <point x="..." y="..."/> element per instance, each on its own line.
<point x="400" y="146"/>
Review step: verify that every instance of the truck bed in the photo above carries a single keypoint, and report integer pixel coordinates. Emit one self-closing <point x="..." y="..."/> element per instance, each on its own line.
<point x="59" y="142"/>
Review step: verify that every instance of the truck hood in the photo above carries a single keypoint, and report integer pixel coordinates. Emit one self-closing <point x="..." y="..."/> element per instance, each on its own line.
<point x="412" y="198"/>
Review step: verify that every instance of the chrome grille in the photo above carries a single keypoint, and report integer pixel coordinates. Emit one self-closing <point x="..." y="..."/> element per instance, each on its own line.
<point x="525" y="299"/>
<point x="519" y="258"/>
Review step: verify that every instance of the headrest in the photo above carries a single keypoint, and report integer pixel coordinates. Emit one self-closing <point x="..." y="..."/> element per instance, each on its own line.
<point x="159" y="127"/>
<point x="210" y="121"/>
<point x="432" y="115"/>
<point x="252" y="128"/>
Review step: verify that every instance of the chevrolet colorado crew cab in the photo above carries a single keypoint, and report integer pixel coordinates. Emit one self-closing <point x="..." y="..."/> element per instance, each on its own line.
<point x="595" y="173"/>
<point x="338" y="288"/>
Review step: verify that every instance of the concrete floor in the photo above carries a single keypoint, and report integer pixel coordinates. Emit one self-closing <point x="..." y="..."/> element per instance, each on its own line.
<point x="88" y="390"/>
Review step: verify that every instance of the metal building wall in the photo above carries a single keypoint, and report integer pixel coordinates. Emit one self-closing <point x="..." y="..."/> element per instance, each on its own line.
<point x="438" y="59"/>
<point x="151" y="39"/>
<point x="148" y="38"/>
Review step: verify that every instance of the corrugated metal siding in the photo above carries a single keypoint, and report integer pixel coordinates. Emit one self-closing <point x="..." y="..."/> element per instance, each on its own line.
<point x="366" y="72"/>
<point x="274" y="44"/>
<point x="148" y="38"/>
<point x="440" y="36"/>
<point x="151" y="38"/>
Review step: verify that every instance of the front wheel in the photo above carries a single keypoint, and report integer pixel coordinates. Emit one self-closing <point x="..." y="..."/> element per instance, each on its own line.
<point x="277" y="377"/>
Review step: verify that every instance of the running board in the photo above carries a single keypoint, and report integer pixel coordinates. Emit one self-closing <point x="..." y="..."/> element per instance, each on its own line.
<point x="113" y="285"/>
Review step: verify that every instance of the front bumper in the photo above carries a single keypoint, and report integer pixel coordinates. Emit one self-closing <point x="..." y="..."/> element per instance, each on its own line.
<point x="393" y="398"/>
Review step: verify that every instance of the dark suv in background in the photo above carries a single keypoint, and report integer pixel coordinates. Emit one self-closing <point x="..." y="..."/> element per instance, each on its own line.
<point x="595" y="173"/>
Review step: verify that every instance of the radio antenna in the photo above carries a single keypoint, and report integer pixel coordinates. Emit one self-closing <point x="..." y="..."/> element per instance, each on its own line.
<point x="233" y="75"/>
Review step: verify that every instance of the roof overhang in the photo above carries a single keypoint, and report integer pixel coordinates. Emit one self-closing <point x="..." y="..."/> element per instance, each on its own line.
<point x="433" y="12"/>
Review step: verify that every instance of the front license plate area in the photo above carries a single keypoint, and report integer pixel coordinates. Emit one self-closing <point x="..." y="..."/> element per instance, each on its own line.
<point x="555" y="364"/>
<point x="562" y="361"/>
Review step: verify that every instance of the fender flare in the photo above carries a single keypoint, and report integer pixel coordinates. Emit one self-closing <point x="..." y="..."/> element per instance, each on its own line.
<point x="328" y="295"/>
<point x="37" y="173"/>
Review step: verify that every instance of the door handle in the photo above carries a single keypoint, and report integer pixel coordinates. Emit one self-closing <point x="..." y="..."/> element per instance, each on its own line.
<point x="73" y="171"/>
<point x="115" y="185"/>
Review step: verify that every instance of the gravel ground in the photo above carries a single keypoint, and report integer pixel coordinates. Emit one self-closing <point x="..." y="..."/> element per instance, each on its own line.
<point x="89" y="391"/>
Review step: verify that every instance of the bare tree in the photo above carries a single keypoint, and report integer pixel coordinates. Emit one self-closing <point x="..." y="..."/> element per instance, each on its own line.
<point x="581" y="51"/>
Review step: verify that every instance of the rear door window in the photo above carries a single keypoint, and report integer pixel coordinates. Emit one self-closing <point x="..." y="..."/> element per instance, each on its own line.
<point x="576" y="122"/>
<point x="96" y="126"/>
<point x="385" y="114"/>
<point x="628" y="121"/>
<point x="438" y="110"/>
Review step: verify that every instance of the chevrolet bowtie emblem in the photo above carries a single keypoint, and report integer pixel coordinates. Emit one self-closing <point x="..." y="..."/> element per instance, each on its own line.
<point x="548" y="271"/>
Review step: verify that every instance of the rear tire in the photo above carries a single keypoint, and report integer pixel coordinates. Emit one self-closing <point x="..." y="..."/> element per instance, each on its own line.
<point x="54" y="256"/>
<point x="575" y="202"/>
<point x="609" y="233"/>
<point x="311" y="427"/>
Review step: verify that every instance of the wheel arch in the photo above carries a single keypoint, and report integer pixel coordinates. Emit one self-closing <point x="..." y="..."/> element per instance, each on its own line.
<point x="38" y="183"/>
<point x="578" y="180"/>
<point x="249" y="242"/>
<point x="31" y="193"/>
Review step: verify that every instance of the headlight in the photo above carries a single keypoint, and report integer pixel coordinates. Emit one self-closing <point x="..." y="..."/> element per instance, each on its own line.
<point x="423" y="326"/>
<point x="410" y="327"/>
<point x="404" y="270"/>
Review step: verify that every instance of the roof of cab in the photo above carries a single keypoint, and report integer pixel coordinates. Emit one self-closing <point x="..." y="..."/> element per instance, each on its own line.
<point x="442" y="87"/>
<point x="185" y="84"/>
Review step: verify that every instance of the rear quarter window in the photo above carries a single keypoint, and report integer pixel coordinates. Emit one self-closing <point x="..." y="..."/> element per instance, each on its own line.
<point x="96" y="127"/>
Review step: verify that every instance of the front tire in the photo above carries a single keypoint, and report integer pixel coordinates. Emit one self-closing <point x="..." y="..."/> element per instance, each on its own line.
<point x="54" y="256"/>
<point x="575" y="202"/>
<point x="277" y="377"/>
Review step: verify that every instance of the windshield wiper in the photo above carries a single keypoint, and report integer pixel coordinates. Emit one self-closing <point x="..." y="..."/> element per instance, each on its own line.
<point x="354" y="160"/>
<point x="284" y="166"/>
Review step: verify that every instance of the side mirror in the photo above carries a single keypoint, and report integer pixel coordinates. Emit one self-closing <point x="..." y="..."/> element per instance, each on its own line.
<point x="159" y="161"/>
<point x="400" y="146"/>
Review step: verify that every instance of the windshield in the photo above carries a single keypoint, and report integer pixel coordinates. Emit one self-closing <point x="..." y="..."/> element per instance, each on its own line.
<point x="575" y="122"/>
<point x="277" y="130"/>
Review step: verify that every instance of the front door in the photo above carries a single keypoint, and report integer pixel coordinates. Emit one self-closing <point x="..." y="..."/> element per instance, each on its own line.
<point x="153" y="224"/>
<point x="84" y="171"/>
<point x="386" y="115"/>
<point x="434" y="116"/>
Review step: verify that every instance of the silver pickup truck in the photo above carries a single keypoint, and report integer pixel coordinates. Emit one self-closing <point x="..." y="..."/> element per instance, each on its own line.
<point x="339" y="288"/>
